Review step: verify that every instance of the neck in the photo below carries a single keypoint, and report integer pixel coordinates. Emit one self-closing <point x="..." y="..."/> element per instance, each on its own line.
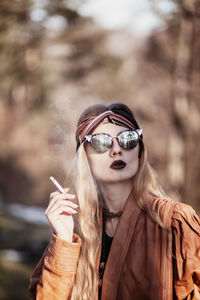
<point x="115" y="194"/>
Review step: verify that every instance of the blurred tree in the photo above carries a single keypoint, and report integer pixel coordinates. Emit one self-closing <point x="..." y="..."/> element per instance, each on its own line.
<point x="20" y="56"/>
<point x="186" y="97"/>
<point x="179" y="56"/>
<point x="25" y="27"/>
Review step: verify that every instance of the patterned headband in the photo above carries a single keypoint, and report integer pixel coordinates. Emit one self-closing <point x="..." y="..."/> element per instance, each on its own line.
<point x="89" y="124"/>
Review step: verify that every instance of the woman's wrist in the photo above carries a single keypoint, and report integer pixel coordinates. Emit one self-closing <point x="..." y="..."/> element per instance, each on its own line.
<point x="66" y="237"/>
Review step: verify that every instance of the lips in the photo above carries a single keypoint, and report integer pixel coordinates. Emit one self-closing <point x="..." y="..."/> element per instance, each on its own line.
<point x="118" y="165"/>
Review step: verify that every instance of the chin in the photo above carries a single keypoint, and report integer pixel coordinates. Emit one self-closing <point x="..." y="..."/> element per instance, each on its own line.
<point x="116" y="178"/>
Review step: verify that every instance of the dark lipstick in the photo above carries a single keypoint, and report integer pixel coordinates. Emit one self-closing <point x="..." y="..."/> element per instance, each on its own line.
<point x="118" y="165"/>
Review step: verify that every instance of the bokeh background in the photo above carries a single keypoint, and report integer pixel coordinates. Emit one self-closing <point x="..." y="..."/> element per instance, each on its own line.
<point x="59" y="56"/>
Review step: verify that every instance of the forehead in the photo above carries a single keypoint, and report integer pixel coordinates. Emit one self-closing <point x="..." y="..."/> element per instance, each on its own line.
<point x="109" y="128"/>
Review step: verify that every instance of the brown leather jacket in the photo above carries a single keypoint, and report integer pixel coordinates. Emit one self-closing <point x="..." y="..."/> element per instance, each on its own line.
<point x="142" y="264"/>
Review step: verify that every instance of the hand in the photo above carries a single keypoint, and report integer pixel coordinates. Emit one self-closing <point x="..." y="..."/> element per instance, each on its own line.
<point x="59" y="213"/>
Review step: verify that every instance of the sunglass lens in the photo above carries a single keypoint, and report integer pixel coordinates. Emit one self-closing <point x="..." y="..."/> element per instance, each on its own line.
<point x="128" y="139"/>
<point x="101" y="142"/>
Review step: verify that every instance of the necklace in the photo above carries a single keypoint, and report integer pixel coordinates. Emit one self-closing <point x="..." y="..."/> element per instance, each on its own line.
<point x="111" y="215"/>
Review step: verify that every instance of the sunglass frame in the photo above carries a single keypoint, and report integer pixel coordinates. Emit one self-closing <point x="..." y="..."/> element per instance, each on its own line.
<point x="89" y="138"/>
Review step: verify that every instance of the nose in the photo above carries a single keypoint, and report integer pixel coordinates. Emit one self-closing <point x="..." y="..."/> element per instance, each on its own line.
<point x="115" y="149"/>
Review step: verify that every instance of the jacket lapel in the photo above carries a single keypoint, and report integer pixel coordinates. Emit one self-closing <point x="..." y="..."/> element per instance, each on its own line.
<point x="119" y="248"/>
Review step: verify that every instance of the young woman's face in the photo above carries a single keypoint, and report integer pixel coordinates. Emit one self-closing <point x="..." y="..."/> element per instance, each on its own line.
<point x="116" y="164"/>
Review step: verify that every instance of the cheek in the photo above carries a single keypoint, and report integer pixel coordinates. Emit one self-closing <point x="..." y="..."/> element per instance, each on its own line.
<point x="96" y="161"/>
<point x="133" y="155"/>
<point x="97" y="168"/>
<point x="133" y="160"/>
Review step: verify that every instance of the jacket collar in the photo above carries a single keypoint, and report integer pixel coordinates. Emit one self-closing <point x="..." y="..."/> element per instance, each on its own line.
<point x="119" y="248"/>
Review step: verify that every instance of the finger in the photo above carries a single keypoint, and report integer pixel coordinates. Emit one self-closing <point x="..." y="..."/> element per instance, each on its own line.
<point x="57" y="197"/>
<point x="65" y="197"/>
<point x="58" y="192"/>
<point x="59" y="202"/>
<point x="59" y="211"/>
<point x="54" y="194"/>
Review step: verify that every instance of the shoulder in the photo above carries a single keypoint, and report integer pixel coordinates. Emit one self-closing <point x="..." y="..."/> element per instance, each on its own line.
<point x="160" y="204"/>
<point x="163" y="208"/>
<point x="183" y="210"/>
<point x="171" y="213"/>
<point x="185" y="215"/>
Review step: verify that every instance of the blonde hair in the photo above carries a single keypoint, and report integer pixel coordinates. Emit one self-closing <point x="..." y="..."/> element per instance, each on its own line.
<point x="144" y="183"/>
<point x="86" y="282"/>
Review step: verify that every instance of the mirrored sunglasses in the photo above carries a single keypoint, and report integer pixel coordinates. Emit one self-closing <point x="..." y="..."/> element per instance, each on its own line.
<point x="102" y="142"/>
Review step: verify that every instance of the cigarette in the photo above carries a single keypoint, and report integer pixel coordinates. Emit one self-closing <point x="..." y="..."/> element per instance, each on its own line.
<point x="57" y="184"/>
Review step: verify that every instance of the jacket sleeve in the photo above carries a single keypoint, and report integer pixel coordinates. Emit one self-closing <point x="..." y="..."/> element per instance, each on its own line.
<point x="186" y="250"/>
<point x="54" y="275"/>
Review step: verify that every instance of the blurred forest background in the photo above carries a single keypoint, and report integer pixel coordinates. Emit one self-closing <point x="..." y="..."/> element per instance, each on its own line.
<point x="54" y="62"/>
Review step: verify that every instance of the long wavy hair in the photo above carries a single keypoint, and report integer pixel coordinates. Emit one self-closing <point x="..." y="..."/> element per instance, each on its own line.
<point x="144" y="183"/>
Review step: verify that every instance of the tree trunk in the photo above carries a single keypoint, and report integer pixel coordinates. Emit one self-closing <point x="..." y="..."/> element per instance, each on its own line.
<point x="186" y="95"/>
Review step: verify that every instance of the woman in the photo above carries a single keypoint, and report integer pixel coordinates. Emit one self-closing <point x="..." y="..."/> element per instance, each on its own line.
<point x="132" y="242"/>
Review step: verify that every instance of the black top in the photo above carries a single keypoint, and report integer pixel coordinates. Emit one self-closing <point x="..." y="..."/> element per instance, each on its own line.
<point x="106" y="245"/>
